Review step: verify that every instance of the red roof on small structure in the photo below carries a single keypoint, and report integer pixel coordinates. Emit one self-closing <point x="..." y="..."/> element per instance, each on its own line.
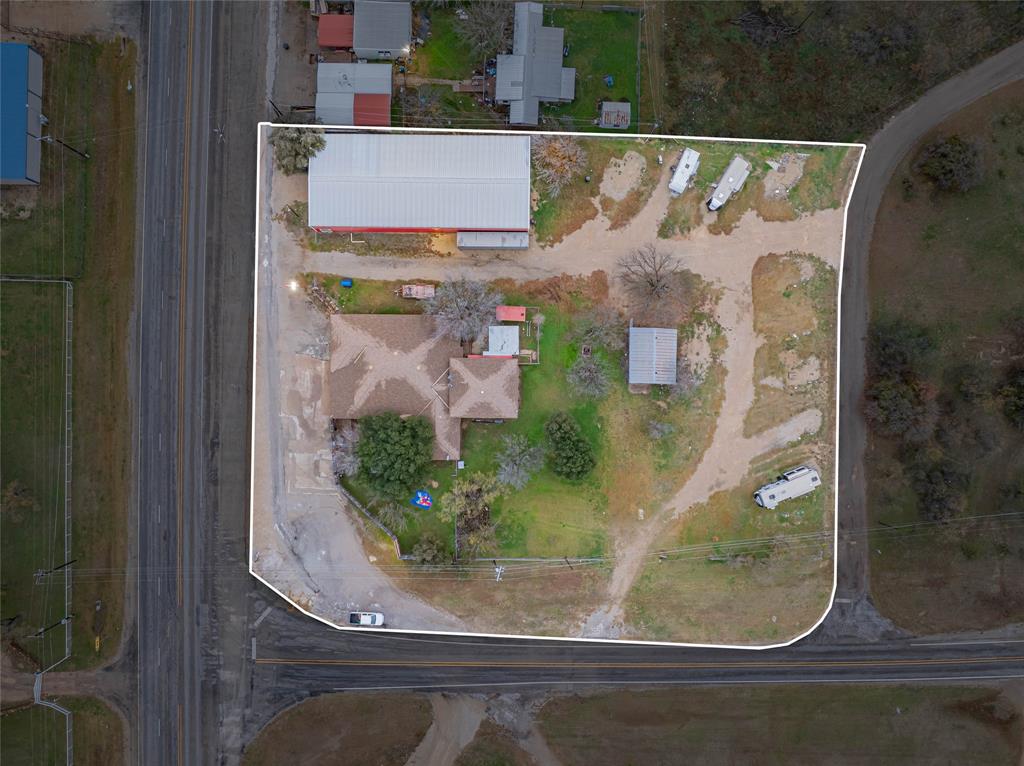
<point x="334" y="30"/>
<point x="511" y="313"/>
<point x="371" y="109"/>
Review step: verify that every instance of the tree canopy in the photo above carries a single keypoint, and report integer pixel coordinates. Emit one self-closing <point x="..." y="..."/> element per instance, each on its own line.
<point x="295" y="146"/>
<point x="393" y="452"/>
<point x="464" y="308"/>
<point x="570" y="453"/>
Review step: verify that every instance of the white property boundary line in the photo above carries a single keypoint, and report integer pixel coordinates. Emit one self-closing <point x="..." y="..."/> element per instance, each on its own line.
<point x="255" y="341"/>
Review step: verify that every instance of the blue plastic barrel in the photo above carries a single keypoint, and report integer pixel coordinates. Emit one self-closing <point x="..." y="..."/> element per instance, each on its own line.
<point x="346" y="283"/>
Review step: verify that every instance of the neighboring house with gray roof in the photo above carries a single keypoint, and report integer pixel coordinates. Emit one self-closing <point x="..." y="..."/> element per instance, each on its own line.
<point x="382" y="29"/>
<point x="652" y="355"/>
<point x="533" y="72"/>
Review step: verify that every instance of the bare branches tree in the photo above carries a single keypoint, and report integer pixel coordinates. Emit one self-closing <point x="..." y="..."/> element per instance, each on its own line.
<point x="558" y="160"/>
<point x="518" y="460"/>
<point x="601" y="326"/>
<point x="464" y="308"/>
<point x="344" y="459"/>
<point x="647" y="273"/>
<point x="588" y="377"/>
<point x="294" y="147"/>
<point x="486" y="26"/>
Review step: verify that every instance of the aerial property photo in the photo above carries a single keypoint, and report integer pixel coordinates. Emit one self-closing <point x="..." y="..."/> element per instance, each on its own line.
<point x="555" y="385"/>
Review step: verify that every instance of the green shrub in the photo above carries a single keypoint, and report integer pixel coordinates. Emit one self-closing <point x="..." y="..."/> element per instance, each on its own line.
<point x="570" y="453"/>
<point x="393" y="452"/>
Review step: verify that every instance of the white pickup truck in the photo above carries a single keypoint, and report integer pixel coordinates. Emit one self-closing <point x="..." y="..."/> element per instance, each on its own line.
<point x="366" y="619"/>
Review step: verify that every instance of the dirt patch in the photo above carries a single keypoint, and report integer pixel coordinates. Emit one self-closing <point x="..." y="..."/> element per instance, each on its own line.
<point x="783" y="176"/>
<point x="566" y="291"/>
<point x="800" y="372"/>
<point x="622" y="175"/>
<point x="456" y="720"/>
<point x="343" y="728"/>
<point x="493" y="746"/>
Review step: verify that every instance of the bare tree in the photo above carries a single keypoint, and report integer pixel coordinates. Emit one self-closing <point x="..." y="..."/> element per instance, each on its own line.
<point x="344" y="459"/>
<point x="421" y="107"/>
<point x="647" y="273"/>
<point x="486" y="26"/>
<point x="687" y="378"/>
<point x="557" y="160"/>
<point x="294" y="147"/>
<point x="464" y="308"/>
<point x="588" y="377"/>
<point x="518" y="460"/>
<point x="601" y="326"/>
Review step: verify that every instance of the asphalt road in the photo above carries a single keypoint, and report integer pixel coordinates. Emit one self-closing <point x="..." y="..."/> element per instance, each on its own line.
<point x="201" y="622"/>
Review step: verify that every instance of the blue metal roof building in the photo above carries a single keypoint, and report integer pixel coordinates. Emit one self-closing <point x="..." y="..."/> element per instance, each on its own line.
<point x="21" y="120"/>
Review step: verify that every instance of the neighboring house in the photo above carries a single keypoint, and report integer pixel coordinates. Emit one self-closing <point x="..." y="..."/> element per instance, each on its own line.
<point x="732" y="181"/>
<point x="21" y="118"/>
<point x="533" y="72"/>
<point x="652" y="356"/>
<point x="353" y="94"/>
<point x="400" y="363"/>
<point x="615" y="115"/>
<point x="382" y="29"/>
<point x="335" y="30"/>
<point x="382" y="182"/>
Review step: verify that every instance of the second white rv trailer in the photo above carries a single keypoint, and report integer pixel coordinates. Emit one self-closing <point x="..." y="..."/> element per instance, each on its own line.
<point x="732" y="181"/>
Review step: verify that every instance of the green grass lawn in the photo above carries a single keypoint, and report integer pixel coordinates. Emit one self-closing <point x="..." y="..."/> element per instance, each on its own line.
<point x="444" y="56"/>
<point x="32" y="462"/>
<point x="83" y="227"/>
<point x="600" y="43"/>
<point x="36" y="735"/>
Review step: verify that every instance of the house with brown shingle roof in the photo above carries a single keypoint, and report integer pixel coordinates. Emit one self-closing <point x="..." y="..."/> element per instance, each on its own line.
<point x="401" y="363"/>
<point x="484" y="388"/>
<point x="393" y="363"/>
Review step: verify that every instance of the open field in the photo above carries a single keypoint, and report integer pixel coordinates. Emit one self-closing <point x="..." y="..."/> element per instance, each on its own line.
<point x="36" y="735"/>
<point x="785" y="724"/>
<point x="92" y="244"/>
<point x="827" y="71"/>
<point x="950" y="263"/>
<point x="33" y="458"/>
<point x="343" y="728"/>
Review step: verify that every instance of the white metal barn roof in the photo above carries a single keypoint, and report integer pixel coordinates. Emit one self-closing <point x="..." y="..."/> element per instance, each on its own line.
<point x="402" y="182"/>
<point x="652" y="355"/>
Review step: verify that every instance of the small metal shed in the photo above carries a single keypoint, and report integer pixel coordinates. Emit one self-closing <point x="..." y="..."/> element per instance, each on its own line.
<point x="652" y="355"/>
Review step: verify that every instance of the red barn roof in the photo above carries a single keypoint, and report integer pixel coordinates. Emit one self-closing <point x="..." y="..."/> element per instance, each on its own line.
<point x="371" y="109"/>
<point x="511" y="313"/>
<point x="335" y="30"/>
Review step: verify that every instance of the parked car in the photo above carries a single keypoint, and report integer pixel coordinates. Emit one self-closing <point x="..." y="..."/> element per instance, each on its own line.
<point x="366" y="619"/>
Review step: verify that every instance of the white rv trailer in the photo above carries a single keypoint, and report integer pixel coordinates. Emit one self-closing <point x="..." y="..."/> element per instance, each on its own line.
<point x="732" y="181"/>
<point x="795" y="482"/>
<point x="684" y="172"/>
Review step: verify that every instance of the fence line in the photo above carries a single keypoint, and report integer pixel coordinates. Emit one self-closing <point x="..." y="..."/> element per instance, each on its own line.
<point x="69" y="316"/>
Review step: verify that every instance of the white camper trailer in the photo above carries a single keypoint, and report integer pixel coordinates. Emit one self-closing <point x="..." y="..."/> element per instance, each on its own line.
<point x="732" y="181"/>
<point x="684" y="172"/>
<point x="795" y="482"/>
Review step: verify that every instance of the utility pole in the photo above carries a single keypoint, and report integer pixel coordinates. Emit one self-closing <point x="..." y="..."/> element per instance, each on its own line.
<point x="498" y="571"/>
<point x="41" y="631"/>
<point x="41" y="573"/>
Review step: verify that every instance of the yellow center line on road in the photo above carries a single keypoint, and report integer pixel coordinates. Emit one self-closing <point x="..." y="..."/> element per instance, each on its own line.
<point x="541" y="664"/>
<point x="182" y="288"/>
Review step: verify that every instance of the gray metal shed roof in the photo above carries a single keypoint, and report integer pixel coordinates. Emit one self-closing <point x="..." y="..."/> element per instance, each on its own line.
<point x="382" y="181"/>
<point x="652" y="355"/>
<point x="382" y="26"/>
<point x="534" y="71"/>
<point x="353" y="78"/>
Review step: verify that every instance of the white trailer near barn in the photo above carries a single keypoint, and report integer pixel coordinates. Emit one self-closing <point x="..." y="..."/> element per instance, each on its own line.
<point x="689" y="162"/>
<point x="795" y="482"/>
<point x="732" y="181"/>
